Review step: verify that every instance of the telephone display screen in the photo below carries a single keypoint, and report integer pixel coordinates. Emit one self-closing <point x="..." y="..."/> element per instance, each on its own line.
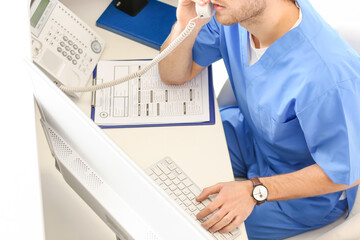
<point x="39" y="12"/>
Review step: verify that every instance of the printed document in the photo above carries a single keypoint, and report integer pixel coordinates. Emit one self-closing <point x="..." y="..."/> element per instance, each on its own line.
<point x="146" y="99"/>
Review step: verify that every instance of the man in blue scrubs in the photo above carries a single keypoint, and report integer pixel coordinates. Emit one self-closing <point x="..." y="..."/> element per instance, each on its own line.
<point x="294" y="132"/>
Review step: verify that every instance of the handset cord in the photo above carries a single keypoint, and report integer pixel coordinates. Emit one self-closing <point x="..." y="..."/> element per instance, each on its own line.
<point x="183" y="35"/>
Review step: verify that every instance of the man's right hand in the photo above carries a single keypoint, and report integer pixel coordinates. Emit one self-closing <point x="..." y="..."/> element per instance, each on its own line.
<point x="186" y="11"/>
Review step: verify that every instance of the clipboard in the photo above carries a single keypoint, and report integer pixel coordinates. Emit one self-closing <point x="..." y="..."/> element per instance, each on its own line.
<point x="211" y="98"/>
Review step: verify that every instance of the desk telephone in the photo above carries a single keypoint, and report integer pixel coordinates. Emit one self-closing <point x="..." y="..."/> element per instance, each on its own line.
<point x="62" y="44"/>
<point x="68" y="49"/>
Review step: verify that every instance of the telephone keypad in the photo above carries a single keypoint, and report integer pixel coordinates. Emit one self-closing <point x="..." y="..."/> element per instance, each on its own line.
<point x="71" y="48"/>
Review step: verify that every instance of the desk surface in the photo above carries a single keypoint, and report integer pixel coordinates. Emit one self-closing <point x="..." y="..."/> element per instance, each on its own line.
<point x="200" y="151"/>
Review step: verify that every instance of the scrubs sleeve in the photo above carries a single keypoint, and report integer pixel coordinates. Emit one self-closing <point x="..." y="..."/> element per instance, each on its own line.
<point x="331" y="127"/>
<point x="206" y="48"/>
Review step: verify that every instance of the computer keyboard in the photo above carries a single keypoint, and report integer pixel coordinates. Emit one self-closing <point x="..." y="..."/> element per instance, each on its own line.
<point x="168" y="175"/>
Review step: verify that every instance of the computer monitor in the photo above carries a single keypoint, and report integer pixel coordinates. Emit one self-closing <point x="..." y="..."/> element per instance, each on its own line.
<point x="119" y="192"/>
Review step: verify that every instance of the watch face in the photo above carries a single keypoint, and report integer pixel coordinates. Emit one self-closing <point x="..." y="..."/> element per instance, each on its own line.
<point x="260" y="193"/>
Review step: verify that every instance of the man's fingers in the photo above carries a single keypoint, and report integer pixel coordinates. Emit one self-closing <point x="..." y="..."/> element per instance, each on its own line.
<point x="201" y="2"/>
<point x="214" y="219"/>
<point x="209" y="191"/>
<point x="234" y="224"/>
<point x="225" y="221"/>
<point x="209" y="209"/>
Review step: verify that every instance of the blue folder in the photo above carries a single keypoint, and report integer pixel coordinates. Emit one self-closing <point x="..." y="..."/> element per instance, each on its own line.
<point x="211" y="110"/>
<point x="150" y="27"/>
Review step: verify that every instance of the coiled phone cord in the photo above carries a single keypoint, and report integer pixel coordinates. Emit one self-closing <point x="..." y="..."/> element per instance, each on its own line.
<point x="183" y="35"/>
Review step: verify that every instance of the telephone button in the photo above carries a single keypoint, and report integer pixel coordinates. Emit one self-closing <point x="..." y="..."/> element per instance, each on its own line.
<point x="77" y="56"/>
<point x="80" y="51"/>
<point x="70" y="42"/>
<point x="67" y="48"/>
<point x="59" y="49"/>
<point x="72" y="52"/>
<point x="75" y="47"/>
<point x="64" y="54"/>
<point x="62" y="44"/>
<point x="65" y="38"/>
<point x="74" y="62"/>
<point x="96" y="47"/>
<point x="69" y="57"/>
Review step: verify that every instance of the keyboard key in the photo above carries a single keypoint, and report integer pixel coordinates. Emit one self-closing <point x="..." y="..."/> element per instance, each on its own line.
<point x="176" y="181"/>
<point x="187" y="182"/>
<point x="181" y="186"/>
<point x="191" y="196"/>
<point x="218" y="236"/>
<point x="164" y="169"/>
<point x="182" y="197"/>
<point x="194" y="190"/>
<point x="172" y="166"/>
<point x="186" y="191"/>
<point x="171" y="176"/>
<point x="157" y="171"/>
<point x="177" y="192"/>
<point x="168" y="182"/>
<point x="227" y="235"/>
<point x="163" y="177"/>
<point x="181" y="176"/>
<point x="187" y="202"/>
<point x="192" y="208"/>
<point x="200" y="206"/>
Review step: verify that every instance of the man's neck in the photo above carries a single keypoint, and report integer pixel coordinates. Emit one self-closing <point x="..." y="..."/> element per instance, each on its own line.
<point x="276" y="20"/>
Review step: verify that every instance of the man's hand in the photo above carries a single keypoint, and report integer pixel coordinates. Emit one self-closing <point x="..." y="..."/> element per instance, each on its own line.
<point x="186" y="11"/>
<point x="231" y="206"/>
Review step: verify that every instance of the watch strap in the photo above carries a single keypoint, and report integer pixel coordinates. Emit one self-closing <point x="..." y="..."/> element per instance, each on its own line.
<point x="255" y="181"/>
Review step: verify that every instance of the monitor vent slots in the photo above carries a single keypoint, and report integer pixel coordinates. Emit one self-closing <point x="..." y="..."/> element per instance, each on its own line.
<point x="72" y="159"/>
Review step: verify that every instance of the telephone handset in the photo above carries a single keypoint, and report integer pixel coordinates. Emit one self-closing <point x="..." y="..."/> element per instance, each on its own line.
<point x="205" y="11"/>
<point x="62" y="44"/>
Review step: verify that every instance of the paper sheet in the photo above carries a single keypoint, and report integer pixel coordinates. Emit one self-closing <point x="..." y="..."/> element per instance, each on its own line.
<point x="147" y="100"/>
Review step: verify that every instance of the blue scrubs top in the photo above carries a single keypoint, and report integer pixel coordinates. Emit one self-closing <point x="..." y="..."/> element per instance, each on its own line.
<point x="300" y="101"/>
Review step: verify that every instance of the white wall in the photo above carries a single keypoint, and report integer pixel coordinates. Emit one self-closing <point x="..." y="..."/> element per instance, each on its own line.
<point x="20" y="202"/>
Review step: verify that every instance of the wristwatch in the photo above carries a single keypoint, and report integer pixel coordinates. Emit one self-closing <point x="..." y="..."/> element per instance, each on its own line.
<point x="260" y="192"/>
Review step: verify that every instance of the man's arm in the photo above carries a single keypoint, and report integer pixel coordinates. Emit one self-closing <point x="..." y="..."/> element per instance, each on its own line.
<point x="178" y="67"/>
<point x="235" y="203"/>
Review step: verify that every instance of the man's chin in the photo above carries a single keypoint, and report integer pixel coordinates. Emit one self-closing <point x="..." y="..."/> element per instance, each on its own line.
<point x="224" y="20"/>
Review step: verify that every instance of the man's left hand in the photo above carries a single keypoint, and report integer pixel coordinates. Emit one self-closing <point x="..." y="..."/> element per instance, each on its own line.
<point x="233" y="202"/>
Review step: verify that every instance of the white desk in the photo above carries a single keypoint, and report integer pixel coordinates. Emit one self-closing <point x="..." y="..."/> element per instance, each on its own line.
<point x="200" y="150"/>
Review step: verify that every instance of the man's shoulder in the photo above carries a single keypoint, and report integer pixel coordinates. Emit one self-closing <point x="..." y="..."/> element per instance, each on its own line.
<point x="329" y="54"/>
